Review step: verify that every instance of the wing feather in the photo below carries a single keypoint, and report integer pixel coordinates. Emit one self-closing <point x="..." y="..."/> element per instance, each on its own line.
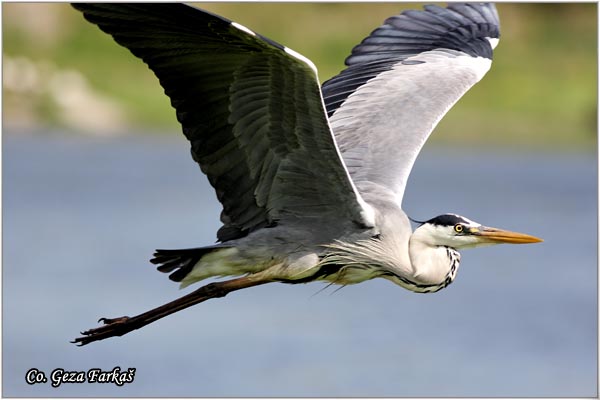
<point x="251" y="109"/>
<point x="399" y="83"/>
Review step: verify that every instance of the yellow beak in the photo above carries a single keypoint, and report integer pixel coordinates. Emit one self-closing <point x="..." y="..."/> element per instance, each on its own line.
<point x="496" y="235"/>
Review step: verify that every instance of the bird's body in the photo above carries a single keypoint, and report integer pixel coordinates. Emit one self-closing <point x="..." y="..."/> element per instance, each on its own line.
<point x="311" y="178"/>
<point x="301" y="256"/>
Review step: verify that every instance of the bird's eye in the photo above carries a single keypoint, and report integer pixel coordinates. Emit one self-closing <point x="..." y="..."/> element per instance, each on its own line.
<point x="458" y="228"/>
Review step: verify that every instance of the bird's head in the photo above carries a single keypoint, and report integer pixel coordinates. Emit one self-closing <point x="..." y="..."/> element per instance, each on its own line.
<point x="458" y="232"/>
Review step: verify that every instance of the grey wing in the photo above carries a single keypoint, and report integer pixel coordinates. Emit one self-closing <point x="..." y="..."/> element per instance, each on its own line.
<point x="252" y="110"/>
<point x="400" y="81"/>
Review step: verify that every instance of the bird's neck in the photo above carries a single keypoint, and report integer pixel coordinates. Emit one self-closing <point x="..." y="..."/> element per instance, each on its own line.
<point x="432" y="267"/>
<point x="431" y="263"/>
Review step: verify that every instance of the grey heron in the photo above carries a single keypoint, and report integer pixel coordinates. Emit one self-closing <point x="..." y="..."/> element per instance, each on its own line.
<point x="311" y="178"/>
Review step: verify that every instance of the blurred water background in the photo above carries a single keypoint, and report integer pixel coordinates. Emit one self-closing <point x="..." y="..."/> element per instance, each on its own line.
<point x="83" y="215"/>
<point x="88" y="195"/>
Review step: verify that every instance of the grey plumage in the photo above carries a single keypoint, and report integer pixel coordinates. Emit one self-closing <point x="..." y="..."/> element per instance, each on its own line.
<point x="460" y="27"/>
<point x="311" y="179"/>
<point x="265" y="158"/>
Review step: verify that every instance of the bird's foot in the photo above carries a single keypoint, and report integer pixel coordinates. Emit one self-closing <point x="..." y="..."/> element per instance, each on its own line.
<point x="110" y="321"/>
<point x="123" y="325"/>
<point x="111" y="327"/>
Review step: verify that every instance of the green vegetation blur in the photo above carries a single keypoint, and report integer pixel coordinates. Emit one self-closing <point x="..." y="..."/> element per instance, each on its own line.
<point x="62" y="72"/>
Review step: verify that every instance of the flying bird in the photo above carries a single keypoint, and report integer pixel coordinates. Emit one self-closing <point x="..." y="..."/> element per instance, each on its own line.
<point x="311" y="178"/>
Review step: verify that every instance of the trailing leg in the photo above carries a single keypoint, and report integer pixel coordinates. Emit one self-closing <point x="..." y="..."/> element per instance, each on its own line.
<point x="123" y="325"/>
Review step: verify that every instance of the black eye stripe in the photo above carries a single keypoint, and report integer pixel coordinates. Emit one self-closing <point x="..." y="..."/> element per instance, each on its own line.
<point x="447" y="220"/>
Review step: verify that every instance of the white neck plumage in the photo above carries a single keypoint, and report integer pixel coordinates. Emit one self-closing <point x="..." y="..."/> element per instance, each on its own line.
<point x="433" y="267"/>
<point x="428" y="268"/>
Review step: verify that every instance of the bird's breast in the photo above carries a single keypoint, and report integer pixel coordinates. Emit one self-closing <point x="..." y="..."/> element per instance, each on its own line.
<point x="350" y="275"/>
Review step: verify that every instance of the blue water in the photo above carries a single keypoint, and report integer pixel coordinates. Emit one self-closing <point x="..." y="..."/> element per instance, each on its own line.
<point x="83" y="215"/>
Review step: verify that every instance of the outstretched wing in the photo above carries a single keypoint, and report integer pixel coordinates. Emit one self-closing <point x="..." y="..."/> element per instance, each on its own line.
<point x="251" y="108"/>
<point x="399" y="83"/>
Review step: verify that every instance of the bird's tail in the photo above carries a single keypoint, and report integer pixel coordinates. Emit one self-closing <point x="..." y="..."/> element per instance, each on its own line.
<point x="182" y="261"/>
